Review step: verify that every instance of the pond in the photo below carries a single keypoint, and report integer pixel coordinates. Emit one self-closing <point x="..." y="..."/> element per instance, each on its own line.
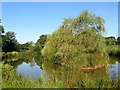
<point x="30" y="70"/>
<point x="35" y="67"/>
<point x="114" y="70"/>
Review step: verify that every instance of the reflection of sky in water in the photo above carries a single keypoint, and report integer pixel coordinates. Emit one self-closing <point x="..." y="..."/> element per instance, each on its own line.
<point x="114" y="70"/>
<point x="30" y="70"/>
<point x="33" y="70"/>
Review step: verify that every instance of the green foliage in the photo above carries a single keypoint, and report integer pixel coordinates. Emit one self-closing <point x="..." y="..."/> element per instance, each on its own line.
<point x="9" y="42"/>
<point x="100" y="83"/>
<point x="13" y="80"/>
<point x="42" y="40"/>
<point x="76" y="78"/>
<point x="26" y="46"/>
<point x="118" y="40"/>
<point x="37" y="48"/>
<point x="85" y="21"/>
<point x="78" y="42"/>
<point x="113" y="46"/>
<point x="13" y="56"/>
<point x="113" y="50"/>
<point x="1" y="31"/>
<point x="110" y="40"/>
<point x="90" y="61"/>
<point x="1" y="28"/>
<point x="59" y="77"/>
<point x="40" y="43"/>
<point x="64" y="45"/>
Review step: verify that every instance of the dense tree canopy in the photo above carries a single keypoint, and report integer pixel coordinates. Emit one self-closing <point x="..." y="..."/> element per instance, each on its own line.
<point x="118" y="40"/>
<point x="9" y="42"/>
<point x="84" y="22"/>
<point x="42" y="40"/>
<point x="110" y="40"/>
<point x="40" y="43"/>
<point x="26" y="46"/>
<point x="78" y="41"/>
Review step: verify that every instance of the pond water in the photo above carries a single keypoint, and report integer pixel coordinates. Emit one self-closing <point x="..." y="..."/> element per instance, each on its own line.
<point x="31" y="69"/>
<point x="35" y="67"/>
<point x="114" y="70"/>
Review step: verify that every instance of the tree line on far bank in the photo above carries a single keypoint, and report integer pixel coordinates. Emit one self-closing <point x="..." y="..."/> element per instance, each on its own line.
<point x="9" y="42"/>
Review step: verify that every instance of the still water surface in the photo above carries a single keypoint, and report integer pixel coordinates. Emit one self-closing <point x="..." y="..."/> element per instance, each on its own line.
<point x="114" y="70"/>
<point x="32" y="69"/>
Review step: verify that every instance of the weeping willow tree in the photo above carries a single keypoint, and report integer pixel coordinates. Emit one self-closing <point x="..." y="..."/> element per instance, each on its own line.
<point x="77" y="42"/>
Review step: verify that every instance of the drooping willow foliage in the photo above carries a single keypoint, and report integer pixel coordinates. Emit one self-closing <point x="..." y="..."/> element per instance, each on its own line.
<point x="78" y="42"/>
<point x="86" y="21"/>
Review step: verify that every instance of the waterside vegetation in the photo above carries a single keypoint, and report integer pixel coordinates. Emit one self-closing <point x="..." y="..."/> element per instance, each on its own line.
<point x="77" y="45"/>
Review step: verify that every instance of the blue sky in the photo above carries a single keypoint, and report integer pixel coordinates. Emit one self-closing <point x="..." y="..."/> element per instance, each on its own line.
<point x="60" y="0"/>
<point x="30" y="20"/>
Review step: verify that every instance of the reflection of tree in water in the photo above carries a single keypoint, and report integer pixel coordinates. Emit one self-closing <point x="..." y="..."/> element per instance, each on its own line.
<point x="22" y="58"/>
<point x="32" y="64"/>
<point x="118" y="59"/>
<point x="27" y="59"/>
<point x="38" y="59"/>
<point x="71" y="77"/>
<point x="15" y="64"/>
<point x="112" y="60"/>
